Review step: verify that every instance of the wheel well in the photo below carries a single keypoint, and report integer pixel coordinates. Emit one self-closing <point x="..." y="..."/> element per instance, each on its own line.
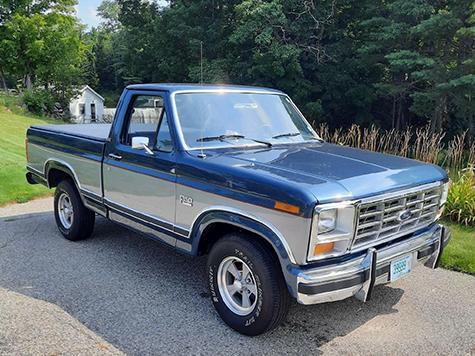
<point x="213" y="232"/>
<point x="55" y="176"/>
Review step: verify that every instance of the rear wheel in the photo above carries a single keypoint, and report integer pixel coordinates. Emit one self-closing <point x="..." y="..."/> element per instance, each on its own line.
<point x="246" y="284"/>
<point x="74" y="220"/>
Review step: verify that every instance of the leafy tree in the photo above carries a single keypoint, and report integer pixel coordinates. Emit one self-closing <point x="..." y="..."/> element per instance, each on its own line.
<point x="41" y="47"/>
<point x="391" y="63"/>
<point x="425" y="51"/>
<point x="109" y="11"/>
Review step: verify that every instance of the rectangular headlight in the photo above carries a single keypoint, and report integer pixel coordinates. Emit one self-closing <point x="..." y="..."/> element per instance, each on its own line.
<point x="327" y="220"/>
<point x="443" y="198"/>
<point x="333" y="228"/>
<point x="445" y="193"/>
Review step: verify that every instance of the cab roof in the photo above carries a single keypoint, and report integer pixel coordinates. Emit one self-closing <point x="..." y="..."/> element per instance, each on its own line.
<point x="174" y="87"/>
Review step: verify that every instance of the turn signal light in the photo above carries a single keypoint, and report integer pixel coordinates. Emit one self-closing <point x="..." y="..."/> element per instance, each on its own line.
<point x="323" y="248"/>
<point x="287" y="207"/>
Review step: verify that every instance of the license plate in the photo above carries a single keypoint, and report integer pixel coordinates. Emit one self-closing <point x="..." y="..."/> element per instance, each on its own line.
<point x="401" y="267"/>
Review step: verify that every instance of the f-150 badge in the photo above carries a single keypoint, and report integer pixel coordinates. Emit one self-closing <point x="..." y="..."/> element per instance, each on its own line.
<point x="188" y="201"/>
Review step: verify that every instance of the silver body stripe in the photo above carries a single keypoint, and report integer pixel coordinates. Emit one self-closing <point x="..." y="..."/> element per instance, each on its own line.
<point x="292" y="230"/>
<point x="142" y="193"/>
<point x="87" y="172"/>
<point x="159" y="199"/>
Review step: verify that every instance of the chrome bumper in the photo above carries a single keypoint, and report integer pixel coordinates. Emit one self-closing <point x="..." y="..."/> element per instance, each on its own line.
<point x="357" y="276"/>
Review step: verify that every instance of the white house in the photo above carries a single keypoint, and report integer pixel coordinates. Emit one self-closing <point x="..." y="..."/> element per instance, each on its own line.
<point x="87" y="106"/>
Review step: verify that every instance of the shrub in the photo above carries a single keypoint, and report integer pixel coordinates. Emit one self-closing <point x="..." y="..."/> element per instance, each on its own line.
<point x="39" y="101"/>
<point x="460" y="205"/>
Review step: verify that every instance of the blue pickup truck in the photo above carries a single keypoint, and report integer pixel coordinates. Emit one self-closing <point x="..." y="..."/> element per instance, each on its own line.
<point x="238" y="174"/>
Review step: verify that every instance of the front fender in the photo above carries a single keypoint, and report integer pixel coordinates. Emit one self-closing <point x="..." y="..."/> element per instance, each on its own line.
<point x="239" y="219"/>
<point x="245" y="222"/>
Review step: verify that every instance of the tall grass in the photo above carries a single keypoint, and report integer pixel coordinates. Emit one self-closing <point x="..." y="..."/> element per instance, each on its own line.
<point x="460" y="205"/>
<point x="427" y="146"/>
<point x="419" y="143"/>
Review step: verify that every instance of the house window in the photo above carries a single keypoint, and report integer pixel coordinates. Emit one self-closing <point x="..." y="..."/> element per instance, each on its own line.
<point x="82" y="109"/>
<point x="93" y="112"/>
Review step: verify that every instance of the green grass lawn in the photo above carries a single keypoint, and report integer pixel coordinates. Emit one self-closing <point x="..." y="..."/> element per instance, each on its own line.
<point x="459" y="255"/>
<point x="13" y="124"/>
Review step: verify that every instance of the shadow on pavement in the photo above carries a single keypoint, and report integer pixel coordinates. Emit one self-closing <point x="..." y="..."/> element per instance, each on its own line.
<point x="145" y="298"/>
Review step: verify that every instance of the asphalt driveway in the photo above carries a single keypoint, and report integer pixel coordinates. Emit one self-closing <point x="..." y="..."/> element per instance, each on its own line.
<point x="143" y="298"/>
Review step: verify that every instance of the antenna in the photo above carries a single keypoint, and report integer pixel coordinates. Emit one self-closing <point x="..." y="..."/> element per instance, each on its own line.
<point x="201" y="62"/>
<point x="201" y="154"/>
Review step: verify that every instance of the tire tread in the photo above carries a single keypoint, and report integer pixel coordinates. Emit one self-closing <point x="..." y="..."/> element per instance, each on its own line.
<point x="84" y="219"/>
<point x="269" y="263"/>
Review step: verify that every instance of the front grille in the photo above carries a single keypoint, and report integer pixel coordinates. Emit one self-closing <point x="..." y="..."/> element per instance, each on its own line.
<point x="382" y="219"/>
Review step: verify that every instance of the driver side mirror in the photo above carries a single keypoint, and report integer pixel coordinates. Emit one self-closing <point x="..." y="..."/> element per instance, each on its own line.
<point x="141" y="143"/>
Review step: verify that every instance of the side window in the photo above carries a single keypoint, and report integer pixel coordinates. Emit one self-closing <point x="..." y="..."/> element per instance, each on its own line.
<point x="144" y="117"/>
<point x="164" y="138"/>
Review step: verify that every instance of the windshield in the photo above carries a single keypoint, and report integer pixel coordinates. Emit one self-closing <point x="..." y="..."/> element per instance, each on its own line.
<point x="223" y="119"/>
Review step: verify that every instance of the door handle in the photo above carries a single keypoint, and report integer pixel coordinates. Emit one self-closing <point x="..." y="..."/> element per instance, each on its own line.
<point x="115" y="157"/>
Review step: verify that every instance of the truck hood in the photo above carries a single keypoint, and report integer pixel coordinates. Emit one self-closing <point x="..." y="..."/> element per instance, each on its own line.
<point x="332" y="172"/>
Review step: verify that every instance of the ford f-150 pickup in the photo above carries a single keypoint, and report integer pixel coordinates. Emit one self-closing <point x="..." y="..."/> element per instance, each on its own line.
<point x="238" y="174"/>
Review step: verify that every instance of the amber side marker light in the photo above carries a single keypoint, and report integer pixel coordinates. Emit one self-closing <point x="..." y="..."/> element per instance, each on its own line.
<point x="322" y="248"/>
<point x="286" y="207"/>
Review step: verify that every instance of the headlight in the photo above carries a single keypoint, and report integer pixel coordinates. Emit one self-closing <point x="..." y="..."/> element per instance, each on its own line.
<point x="333" y="228"/>
<point x="443" y="198"/>
<point x="445" y="193"/>
<point x="327" y="220"/>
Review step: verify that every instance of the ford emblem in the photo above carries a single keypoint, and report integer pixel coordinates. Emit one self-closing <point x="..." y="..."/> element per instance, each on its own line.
<point x="405" y="215"/>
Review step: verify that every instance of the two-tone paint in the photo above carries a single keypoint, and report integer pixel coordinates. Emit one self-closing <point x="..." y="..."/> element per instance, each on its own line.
<point x="176" y="196"/>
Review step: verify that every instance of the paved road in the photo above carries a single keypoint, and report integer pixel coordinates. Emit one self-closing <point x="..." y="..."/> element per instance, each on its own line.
<point x="144" y="298"/>
<point x="30" y="326"/>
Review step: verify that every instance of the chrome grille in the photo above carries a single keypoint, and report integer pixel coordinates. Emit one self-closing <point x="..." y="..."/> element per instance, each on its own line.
<point x="382" y="219"/>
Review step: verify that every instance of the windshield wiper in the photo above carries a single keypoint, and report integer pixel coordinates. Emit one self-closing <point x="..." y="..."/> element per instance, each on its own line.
<point x="235" y="136"/>
<point x="289" y="134"/>
<point x="218" y="138"/>
<point x="292" y="134"/>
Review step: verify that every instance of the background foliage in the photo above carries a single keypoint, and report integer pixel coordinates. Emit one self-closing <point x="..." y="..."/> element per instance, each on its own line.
<point x="461" y="199"/>
<point x="42" y="51"/>
<point x="391" y="63"/>
<point x="388" y="63"/>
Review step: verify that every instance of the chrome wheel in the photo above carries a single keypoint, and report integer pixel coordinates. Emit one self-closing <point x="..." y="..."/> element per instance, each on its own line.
<point x="65" y="210"/>
<point x="237" y="285"/>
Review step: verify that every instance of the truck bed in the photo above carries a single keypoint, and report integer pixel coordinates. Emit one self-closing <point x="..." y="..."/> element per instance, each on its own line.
<point x="78" y="147"/>
<point x="96" y="132"/>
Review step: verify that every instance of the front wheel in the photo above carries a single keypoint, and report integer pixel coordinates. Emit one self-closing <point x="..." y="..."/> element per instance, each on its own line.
<point x="74" y="220"/>
<point x="246" y="284"/>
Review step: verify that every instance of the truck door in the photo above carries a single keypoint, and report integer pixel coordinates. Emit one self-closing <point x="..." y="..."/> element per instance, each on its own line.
<point x="139" y="166"/>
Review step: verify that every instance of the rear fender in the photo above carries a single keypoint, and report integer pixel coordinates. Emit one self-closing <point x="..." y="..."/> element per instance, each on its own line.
<point x="90" y="200"/>
<point x="60" y="166"/>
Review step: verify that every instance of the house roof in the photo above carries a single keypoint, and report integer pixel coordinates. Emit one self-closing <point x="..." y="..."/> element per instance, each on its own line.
<point x="87" y="87"/>
<point x="172" y="87"/>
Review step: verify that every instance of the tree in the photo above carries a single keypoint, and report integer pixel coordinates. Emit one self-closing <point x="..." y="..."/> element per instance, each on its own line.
<point x="109" y="10"/>
<point x="41" y="47"/>
<point x="391" y="63"/>
<point x="40" y="43"/>
<point x="425" y="51"/>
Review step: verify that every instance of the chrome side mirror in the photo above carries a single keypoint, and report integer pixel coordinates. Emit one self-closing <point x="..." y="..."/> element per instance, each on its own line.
<point x="141" y="143"/>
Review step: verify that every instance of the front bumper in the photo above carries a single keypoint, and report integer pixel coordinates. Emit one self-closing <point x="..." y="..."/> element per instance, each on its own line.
<point x="357" y="276"/>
